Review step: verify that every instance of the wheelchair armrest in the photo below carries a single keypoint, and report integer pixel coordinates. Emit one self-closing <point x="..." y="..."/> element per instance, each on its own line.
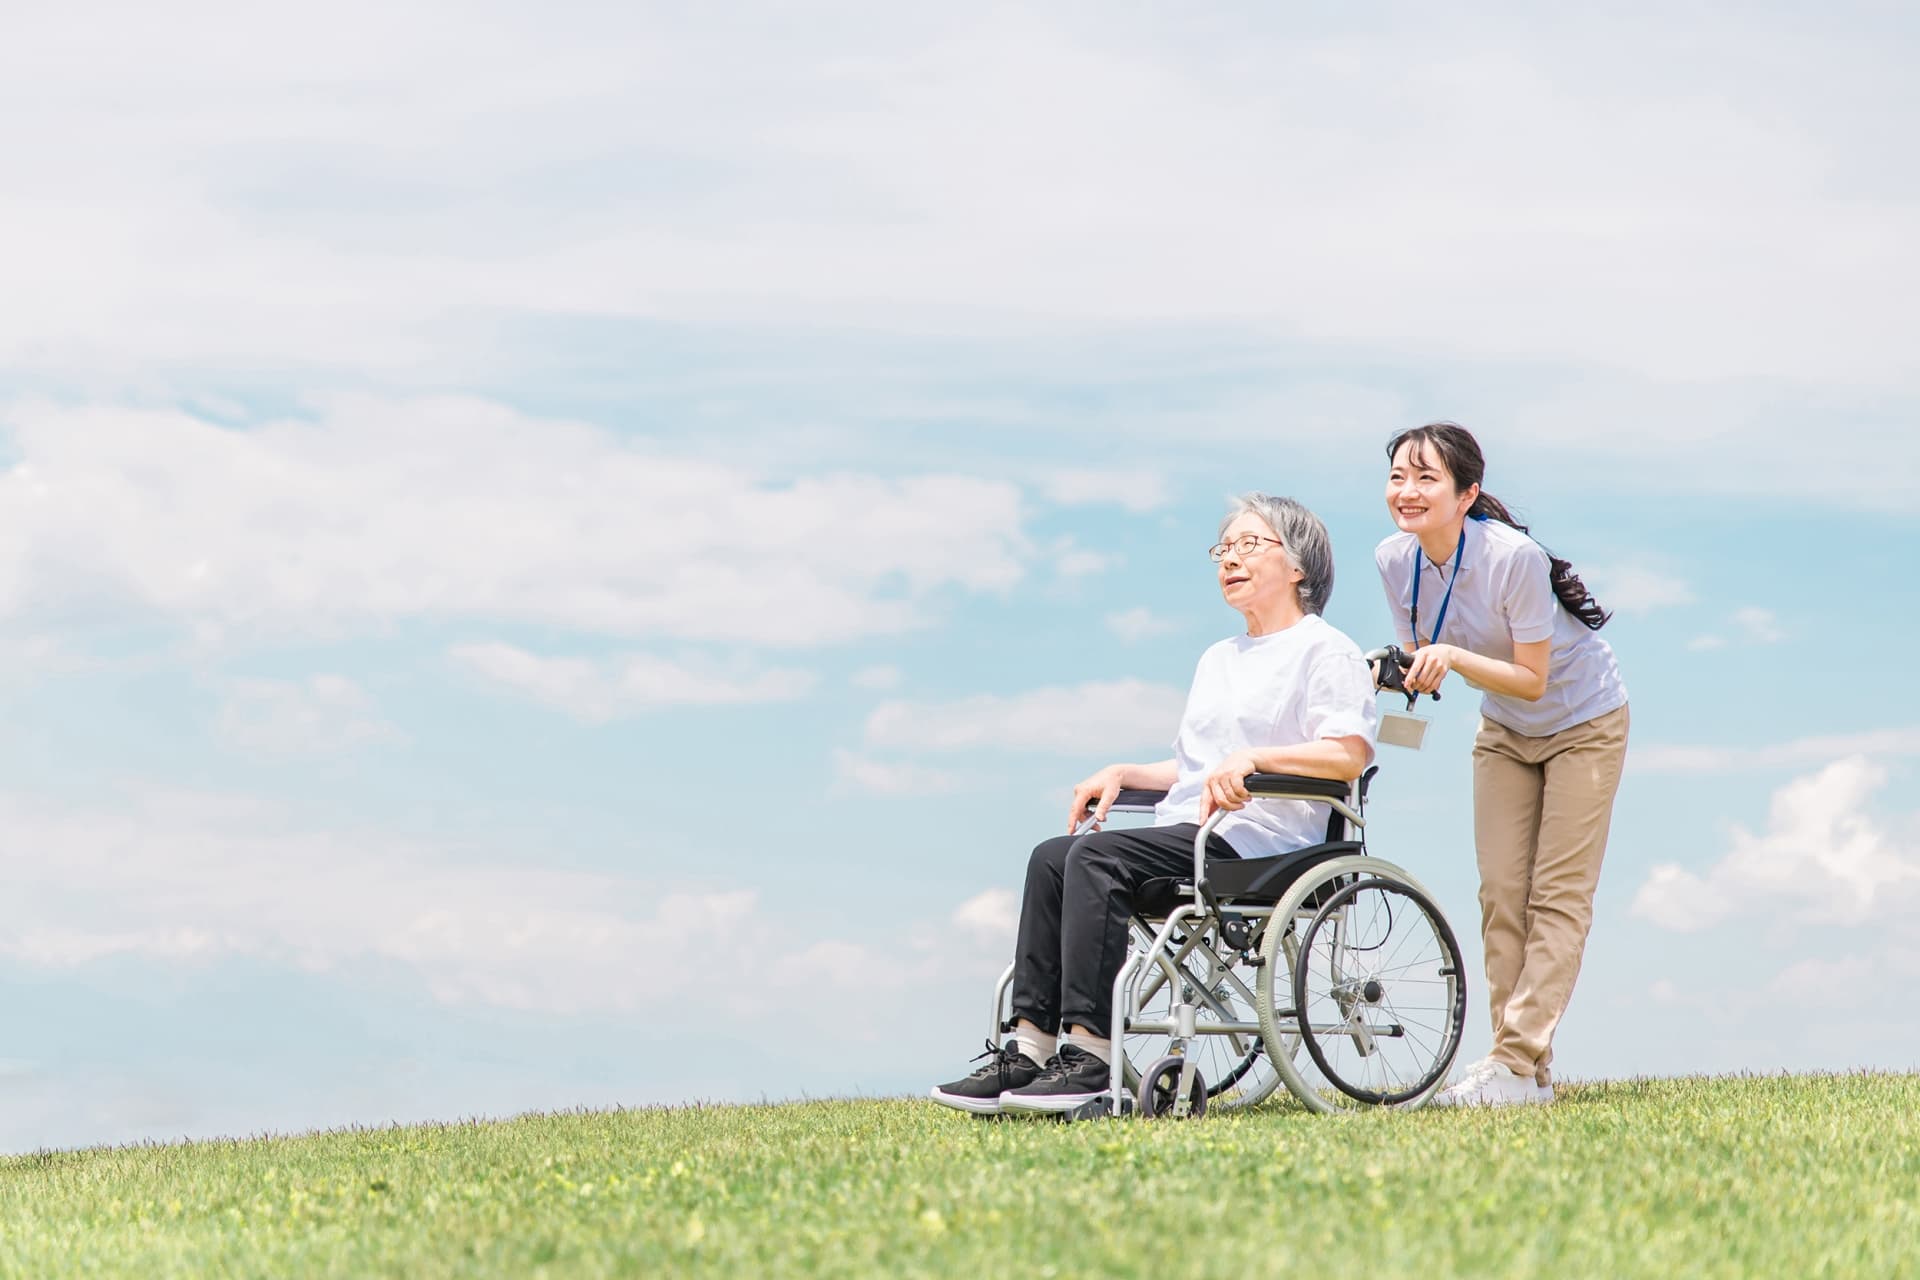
<point x="1287" y="784"/>
<point x="1132" y="800"/>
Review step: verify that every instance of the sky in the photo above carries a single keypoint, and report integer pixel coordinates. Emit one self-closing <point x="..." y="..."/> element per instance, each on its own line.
<point x="563" y="557"/>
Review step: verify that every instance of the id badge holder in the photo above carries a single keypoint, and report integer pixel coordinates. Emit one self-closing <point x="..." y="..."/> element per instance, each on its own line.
<point x="1403" y="729"/>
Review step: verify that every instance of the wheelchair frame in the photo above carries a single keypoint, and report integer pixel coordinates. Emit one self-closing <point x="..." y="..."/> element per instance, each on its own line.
<point x="1187" y="928"/>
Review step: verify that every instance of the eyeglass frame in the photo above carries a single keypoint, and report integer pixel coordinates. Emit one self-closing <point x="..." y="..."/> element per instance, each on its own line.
<point x="1218" y="551"/>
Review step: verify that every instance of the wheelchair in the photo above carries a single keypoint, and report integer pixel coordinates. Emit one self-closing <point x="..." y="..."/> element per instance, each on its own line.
<point x="1325" y="969"/>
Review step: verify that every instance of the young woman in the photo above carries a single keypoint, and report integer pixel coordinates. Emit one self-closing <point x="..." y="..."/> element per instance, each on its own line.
<point x="1472" y="594"/>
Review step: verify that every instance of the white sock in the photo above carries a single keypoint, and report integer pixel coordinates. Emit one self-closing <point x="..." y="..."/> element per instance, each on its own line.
<point x="1033" y="1042"/>
<point x="1095" y="1045"/>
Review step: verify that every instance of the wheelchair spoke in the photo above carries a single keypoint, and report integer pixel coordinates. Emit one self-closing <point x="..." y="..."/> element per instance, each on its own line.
<point x="1405" y="1024"/>
<point x="1411" y="1027"/>
<point x="1373" y="1006"/>
<point x="1411" y="964"/>
<point x="1387" y="960"/>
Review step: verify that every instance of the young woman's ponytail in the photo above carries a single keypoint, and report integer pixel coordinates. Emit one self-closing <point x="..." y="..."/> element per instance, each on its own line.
<point x="1460" y="453"/>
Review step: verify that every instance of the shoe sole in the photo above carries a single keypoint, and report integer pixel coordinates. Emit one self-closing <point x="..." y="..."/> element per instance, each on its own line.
<point x="972" y="1106"/>
<point x="1048" y="1104"/>
<point x="1533" y="1100"/>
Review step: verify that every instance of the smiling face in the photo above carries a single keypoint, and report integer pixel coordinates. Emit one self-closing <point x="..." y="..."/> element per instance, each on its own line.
<point x="1264" y="576"/>
<point x="1421" y="492"/>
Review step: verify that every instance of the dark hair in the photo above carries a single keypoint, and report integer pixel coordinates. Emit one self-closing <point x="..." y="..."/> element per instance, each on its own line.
<point x="1460" y="454"/>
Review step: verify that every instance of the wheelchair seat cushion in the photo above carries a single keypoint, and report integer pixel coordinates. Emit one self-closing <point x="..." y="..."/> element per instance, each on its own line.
<point x="1253" y="880"/>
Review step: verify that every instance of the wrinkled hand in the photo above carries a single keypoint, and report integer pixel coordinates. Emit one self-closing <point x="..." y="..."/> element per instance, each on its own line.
<point x="1098" y="791"/>
<point x="1431" y="665"/>
<point x="1226" y="787"/>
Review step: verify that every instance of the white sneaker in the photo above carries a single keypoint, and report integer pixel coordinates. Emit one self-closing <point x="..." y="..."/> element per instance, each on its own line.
<point x="1488" y="1084"/>
<point x="1471" y="1075"/>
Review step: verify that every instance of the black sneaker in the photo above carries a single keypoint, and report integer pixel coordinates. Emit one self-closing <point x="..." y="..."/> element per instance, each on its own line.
<point x="980" y="1092"/>
<point x="1071" y="1077"/>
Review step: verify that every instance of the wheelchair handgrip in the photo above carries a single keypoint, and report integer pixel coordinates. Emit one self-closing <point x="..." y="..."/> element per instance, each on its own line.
<point x="1390" y="666"/>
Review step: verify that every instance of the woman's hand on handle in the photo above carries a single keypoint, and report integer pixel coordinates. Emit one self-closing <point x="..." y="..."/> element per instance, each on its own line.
<point x="1226" y="786"/>
<point x="1098" y="791"/>
<point x="1524" y="678"/>
<point x="1432" y="663"/>
<point x="1342" y="759"/>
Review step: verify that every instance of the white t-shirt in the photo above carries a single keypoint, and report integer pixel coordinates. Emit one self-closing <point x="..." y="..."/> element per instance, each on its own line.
<point x="1503" y="597"/>
<point x="1279" y="690"/>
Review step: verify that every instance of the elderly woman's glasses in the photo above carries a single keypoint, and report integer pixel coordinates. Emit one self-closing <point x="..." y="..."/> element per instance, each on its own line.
<point x="1243" y="546"/>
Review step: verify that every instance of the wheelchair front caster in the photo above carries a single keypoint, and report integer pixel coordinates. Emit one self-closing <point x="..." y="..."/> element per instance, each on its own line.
<point x="1160" y="1086"/>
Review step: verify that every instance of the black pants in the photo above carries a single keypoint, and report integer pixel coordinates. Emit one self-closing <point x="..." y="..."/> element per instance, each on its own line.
<point x="1073" y="919"/>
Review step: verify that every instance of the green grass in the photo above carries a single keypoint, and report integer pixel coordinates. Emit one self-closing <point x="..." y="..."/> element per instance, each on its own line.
<point x="1787" y="1176"/>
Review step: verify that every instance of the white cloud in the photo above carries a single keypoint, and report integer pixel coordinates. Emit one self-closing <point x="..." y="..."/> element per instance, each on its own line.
<point x="1633" y="588"/>
<point x="1133" y="489"/>
<point x="1110" y="716"/>
<point x="1138" y="623"/>
<point x="842" y="965"/>
<point x="891" y="777"/>
<point x="1758" y="625"/>
<point x="913" y="168"/>
<point x="185" y="879"/>
<point x="24" y="657"/>
<point x="597" y="690"/>
<point x="1816" y="749"/>
<point x="1307" y="411"/>
<point x="179" y="878"/>
<point x="1822" y="857"/>
<point x="1070" y="561"/>
<point x="1829" y="981"/>
<point x="321" y="714"/>
<point x="460" y="509"/>
<point x="993" y="914"/>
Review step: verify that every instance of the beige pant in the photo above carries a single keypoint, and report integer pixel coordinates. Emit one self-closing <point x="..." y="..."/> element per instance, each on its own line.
<point x="1541" y="807"/>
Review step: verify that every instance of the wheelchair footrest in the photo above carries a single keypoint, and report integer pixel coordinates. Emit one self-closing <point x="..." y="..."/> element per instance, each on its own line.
<point x="1096" y="1109"/>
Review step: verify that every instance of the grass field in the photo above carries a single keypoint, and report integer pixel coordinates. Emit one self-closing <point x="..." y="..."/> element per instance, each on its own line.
<point x="1786" y="1176"/>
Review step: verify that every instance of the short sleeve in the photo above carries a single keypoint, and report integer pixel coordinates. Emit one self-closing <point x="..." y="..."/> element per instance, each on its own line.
<point x="1528" y="599"/>
<point x="1396" y="605"/>
<point x="1340" y="696"/>
<point x="1203" y="690"/>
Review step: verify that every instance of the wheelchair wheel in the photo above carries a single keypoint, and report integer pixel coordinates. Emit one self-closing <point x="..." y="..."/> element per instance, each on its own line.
<point x="1160" y="1085"/>
<point x="1236" y="1066"/>
<point x="1378" y="992"/>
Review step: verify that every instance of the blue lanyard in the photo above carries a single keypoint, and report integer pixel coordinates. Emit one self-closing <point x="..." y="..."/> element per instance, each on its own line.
<point x="1459" y="555"/>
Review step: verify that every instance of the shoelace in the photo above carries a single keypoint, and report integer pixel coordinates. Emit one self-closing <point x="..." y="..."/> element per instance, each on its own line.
<point x="1056" y="1067"/>
<point x="1477" y="1075"/>
<point x="1002" y="1059"/>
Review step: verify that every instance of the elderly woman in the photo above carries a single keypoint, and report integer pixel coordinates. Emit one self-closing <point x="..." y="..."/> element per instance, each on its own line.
<point x="1291" y="695"/>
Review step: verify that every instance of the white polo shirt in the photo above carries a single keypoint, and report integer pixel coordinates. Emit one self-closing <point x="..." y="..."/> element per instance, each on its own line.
<point x="1503" y="597"/>
<point x="1290" y="687"/>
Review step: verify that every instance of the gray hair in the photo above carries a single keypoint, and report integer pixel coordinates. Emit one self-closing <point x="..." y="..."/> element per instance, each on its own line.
<point x="1304" y="540"/>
